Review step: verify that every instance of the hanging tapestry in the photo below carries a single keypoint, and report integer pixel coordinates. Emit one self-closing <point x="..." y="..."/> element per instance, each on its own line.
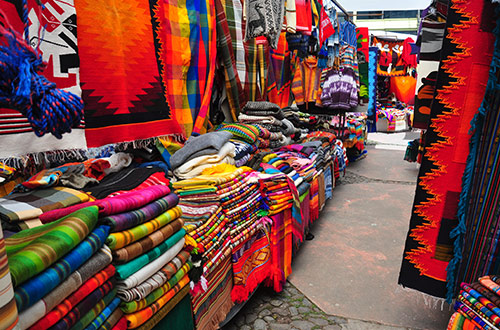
<point x="372" y="89"/>
<point x="390" y="63"/>
<point x="427" y="70"/>
<point x="52" y="28"/>
<point x="363" y="58"/>
<point x="466" y="57"/>
<point x="125" y="98"/>
<point x="279" y="81"/>
<point x="476" y="252"/>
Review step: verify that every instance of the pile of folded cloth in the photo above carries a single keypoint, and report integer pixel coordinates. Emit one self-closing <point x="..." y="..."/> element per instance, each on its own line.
<point x="477" y="305"/>
<point x="62" y="274"/>
<point x="200" y="152"/>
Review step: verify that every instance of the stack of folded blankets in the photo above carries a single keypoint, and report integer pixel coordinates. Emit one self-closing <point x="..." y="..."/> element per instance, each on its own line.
<point x="201" y="152"/>
<point x="62" y="273"/>
<point x="477" y="305"/>
<point x="147" y="243"/>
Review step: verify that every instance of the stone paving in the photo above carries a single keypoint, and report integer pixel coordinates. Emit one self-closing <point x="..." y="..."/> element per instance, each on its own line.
<point x="291" y="310"/>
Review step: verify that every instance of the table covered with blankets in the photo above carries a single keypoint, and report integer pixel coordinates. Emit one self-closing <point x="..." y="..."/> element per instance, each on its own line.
<point x="150" y="245"/>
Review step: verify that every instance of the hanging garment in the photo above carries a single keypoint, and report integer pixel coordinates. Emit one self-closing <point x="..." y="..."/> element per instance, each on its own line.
<point x="464" y="68"/>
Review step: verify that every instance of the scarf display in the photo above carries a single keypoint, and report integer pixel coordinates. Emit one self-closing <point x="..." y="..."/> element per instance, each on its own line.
<point x="33" y="290"/>
<point x="95" y="264"/>
<point x="30" y="253"/>
<point x="121" y="104"/>
<point x="429" y="247"/>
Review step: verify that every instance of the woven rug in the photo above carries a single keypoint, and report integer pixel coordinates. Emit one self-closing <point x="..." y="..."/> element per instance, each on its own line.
<point x="125" y="98"/>
<point x="58" y="46"/>
<point x="390" y="63"/>
<point x="476" y="252"/>
<point x="466" y="58"/>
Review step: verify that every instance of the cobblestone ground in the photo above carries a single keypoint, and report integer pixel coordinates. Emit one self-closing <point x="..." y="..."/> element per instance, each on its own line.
<point x="291" y="310"/>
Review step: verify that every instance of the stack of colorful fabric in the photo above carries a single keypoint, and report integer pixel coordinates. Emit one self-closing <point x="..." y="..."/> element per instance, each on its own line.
<point x="201" y="152"/>
<point x="151" y="266"/>
<point x="61" y="273"/>
<point x="477" y="305"/>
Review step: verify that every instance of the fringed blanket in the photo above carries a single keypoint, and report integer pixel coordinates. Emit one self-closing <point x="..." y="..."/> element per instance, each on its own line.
<point x="251" y="265"/>
<point x="281" y="250"/>
<point x="466" y="58"/>
<point x="122" y="103"/>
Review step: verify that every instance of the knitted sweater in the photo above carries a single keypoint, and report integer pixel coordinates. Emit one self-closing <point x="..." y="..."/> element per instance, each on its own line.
<point x="340" y="90"/>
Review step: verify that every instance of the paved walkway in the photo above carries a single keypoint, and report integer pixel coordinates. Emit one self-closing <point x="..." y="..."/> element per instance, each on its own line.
<point x="346" y="277"/>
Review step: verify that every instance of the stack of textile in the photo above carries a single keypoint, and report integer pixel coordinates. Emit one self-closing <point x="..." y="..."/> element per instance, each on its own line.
<point x="61" y="273"/>
<point x="270" y="117"/>
<point x="201" y="152"/>
<point x="392" y="120"/>
<point x="477" y="305"/>
<point x="147" y="242"/>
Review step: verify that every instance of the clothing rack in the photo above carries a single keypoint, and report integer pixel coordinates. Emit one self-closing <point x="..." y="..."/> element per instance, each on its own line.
<point x="345" y="12"/>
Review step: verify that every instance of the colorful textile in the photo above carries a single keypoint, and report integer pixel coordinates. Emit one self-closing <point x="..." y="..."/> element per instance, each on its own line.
<point x="390" y="63"/>
<point x="30" y="292"/>
<point x="144" y="245"/>
<point x="211" y="307"/>
<point x="87" y="319"/>
<point x="251" y="265"/>
<point x="120" y="239"/>
<point x="122" y="221"/>
<point x="245" y="132"/>
<point x="136" y="319"/>
<point x="363" y="37"/>
<point x="103" y="316"/>
<point x="8" y="309"/>
<point x="281" y="250"/>
<point x="59" y="311"/>
<point x="112" y="320"/>
<point x="32" y="251"/>
<point x="158" y="279"/>
<point x="92" y="300"/>
<point x="176" y="314"/>
<point x="124" y="271"/>
<point x="114" y="205"/>
<point x="464" y="67"/>
<point x="59" y="49"/>
<point x="90" y="268"/>
<point x="476" y="250"/>
<point x="134" y="306"/>
<point x="460" y="322"/>
<point x="121" y="104"/>
<point x="30" y="205"/>
<point x="372" y="89"/>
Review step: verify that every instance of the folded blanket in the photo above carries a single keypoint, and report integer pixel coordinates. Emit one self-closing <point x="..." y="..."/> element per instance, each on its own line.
<point x="112" y="320"/>
<point x="144" y="245"/>
<point x="31" y="205"/>
<point x="157" y="280"/>
<point x="59" y="311"/>
<point x="120" y="239"/>
<point x="136" y="319"/>
<point x="245" y="132"/>
<point x="86" y="305"/>
<point x="33" y="290"/>
<point x="113" y="205"/>
<point x="249" y="119"/>
<point x="134" y="306"/>
<point x="43" y="250"/>
<point x="121" y="324"/>
<point x="195" y="166"/>
<point x="209" y="143"/>
<point x="261" y="107"/>
<point x="87" y="319"/>
<point x="36" y="312"/>
<point x="102" y="317"/>
<point x="126" y="220"/>
<point x="145" y="272"/>
<point x="125" y="179"/>
<point x="8" y="310"/>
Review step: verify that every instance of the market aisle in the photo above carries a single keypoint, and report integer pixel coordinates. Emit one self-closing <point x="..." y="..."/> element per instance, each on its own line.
<point x="351" y="267"/>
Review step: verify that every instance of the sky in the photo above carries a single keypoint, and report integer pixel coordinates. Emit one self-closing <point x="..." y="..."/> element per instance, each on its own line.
<point x="352" y="5"/>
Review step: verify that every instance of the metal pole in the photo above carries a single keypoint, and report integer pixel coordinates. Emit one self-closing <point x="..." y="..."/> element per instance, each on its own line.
<point x="342" y="9"/>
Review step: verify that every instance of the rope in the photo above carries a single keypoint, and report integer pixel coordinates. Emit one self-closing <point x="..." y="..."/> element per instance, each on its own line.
<point x="47" y="108"/>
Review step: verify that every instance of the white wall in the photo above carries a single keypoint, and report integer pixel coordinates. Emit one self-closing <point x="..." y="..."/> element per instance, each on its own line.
<point x="355" y="5"/>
